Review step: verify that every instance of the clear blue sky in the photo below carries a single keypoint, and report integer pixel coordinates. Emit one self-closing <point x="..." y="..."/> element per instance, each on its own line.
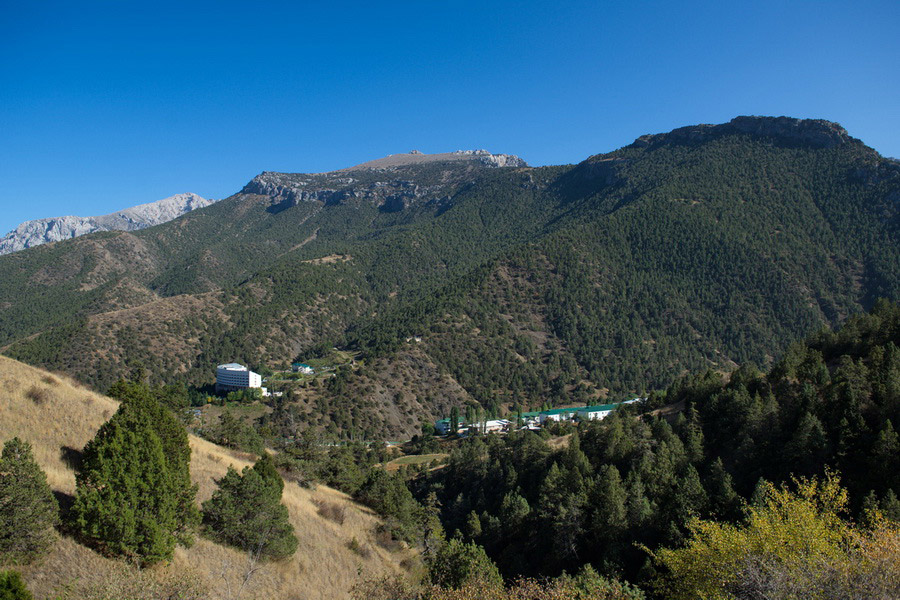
<point x="104" y="105"/>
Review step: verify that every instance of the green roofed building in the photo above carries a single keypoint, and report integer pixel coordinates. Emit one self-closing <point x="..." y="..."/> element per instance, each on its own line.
<point x="580" y="413"/>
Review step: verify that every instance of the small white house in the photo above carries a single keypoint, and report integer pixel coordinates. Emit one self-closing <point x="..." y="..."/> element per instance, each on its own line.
<point x="492" y="426"/>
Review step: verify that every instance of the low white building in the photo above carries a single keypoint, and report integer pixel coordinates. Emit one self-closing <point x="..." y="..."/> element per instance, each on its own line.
<point x="557" y="414"/>
<point x="594" y="413"/>
<point x="492" y="426"/>
<point x="233" y="377"/>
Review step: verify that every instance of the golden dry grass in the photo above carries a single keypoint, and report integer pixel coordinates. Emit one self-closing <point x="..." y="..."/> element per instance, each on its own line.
<point x="53" y="412"/>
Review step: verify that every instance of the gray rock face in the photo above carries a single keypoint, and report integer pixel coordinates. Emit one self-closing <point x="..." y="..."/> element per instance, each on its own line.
<point x="392" y="183"/>
<point x="42" y="231"/>
<point x="417" y="158"/>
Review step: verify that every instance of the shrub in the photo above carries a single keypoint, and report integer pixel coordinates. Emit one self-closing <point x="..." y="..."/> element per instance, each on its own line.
<point x="457" y="564"/>
<point x="331" y="511"/>
<point x="37" y="395"/>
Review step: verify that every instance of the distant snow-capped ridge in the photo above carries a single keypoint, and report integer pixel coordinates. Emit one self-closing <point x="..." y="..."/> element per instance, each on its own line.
<point x="54" y="229"/>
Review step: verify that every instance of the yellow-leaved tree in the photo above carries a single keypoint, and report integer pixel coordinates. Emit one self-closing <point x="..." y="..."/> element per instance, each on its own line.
<point x="796" y="543"/>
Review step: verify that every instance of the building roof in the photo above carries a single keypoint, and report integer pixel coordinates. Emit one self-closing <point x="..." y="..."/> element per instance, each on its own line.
<point x="599" y="407"/>
<point x="233" y="367"/>
<point x="560" y="411"/>
<point x="577" y="409"/>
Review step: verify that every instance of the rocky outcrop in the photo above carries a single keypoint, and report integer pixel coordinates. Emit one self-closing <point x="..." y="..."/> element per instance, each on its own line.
<point x="812" y="132"/>
<point x="290" y="189"/>
<point x="392" y="183"/>
<point x="414" y="157"/>
<point x="42" y="231"/>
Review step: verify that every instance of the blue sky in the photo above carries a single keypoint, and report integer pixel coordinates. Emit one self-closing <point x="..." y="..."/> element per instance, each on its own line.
<point x="104" y="105"/>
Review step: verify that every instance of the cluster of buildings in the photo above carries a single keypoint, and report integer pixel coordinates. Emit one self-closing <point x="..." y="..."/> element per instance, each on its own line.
<point x="533" y="420"/>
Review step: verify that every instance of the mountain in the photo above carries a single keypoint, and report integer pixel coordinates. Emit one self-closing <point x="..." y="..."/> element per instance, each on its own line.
<point x="41" y="231"/>
<point x="58" y="417"/>
<point x="701" y="248"/>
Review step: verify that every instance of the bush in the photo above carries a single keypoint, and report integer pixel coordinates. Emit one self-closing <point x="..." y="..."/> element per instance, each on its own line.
<point x="331" y="511"/>
<point x="28" y="509"/>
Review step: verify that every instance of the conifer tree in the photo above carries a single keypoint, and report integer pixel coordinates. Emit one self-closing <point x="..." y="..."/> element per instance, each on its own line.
<point x="28" y="510"/>
<point x="133" y="496"/>
<point x="457" y="564"/>
<point x="12" y="587"/>
<point x="246" y="512"/>
<point x="609" y="500"/>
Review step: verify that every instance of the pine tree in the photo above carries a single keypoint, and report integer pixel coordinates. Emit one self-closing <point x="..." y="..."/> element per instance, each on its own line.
<point x="246" y="512"/>
<point x="133" y="496"/>
<point x="609" y="500"/>
<point x="28" y="509"/>
<point x="12" y="587"/>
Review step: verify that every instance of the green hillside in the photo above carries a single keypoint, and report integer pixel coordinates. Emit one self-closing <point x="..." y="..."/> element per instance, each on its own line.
<point x="701" y="248"/>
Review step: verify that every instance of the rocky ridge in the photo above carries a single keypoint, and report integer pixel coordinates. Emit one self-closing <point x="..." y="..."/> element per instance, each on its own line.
<point x="53" y="229"/>
<point x="817" y="133"/>
<point x="414" y="157"/>
<point x="382" y="182"/>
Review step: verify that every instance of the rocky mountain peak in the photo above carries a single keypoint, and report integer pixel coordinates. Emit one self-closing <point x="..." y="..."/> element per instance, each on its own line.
<point x="54" y="229"/>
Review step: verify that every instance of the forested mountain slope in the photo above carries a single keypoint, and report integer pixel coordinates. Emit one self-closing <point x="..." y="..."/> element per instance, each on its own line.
<point x="703" y="247"/>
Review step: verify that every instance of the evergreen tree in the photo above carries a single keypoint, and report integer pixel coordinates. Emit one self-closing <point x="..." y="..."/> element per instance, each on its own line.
<point x="885" y="457"/>
<point x="473" y="525"/>
<point x="724" y="501"/>
<point x="175" y="446"/>
<point x="246" y="512"/>
<point x="12" y="587"/>
<point x="133" y="496"/>
<point x="454" y="420"/>
<point x="609" y="500"/>
<point x="28" y="509"/>
<point x="458" y="564"/>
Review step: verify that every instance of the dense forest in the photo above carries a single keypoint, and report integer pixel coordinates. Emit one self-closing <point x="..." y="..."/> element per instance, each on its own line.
<point x="633" y="481"/>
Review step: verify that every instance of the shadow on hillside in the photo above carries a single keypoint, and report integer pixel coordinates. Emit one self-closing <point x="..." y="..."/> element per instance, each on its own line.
<point x="65" y="502"/>
<point x="71" y="456"/>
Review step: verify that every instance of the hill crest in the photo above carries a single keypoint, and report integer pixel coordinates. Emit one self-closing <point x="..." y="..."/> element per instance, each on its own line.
<point x="817" y="133"/>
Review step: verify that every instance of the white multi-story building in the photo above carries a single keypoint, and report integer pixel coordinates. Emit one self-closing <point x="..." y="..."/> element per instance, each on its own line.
<point x="233" y="377"/>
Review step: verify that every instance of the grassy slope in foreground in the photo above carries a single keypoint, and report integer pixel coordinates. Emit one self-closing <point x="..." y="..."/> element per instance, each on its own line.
<point x="55" y="414"/>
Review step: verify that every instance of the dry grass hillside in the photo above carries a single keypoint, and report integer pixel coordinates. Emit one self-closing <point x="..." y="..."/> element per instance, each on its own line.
<point x="58" y="417"/>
